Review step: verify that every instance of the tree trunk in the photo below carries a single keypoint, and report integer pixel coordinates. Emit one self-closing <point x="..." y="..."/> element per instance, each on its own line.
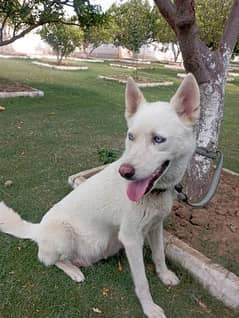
<point x="60" y="57"/>
<point x="85" y="47"/>
<point x="57" y="57"/>
<point x="176" y="51"/>
<point x="208" y="129"/>
<point x="92" y="50"/>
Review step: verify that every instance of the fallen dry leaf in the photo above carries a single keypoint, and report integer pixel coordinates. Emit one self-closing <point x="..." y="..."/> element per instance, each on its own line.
<point x="8" y="183"/>
<point x="28" y="285"/>
<point x="105" y="291"/>
<point x="120" y="267"/>
<point x="201" y="304"/>
<point x="97" y="310"/>
<point x="150" y="267"/>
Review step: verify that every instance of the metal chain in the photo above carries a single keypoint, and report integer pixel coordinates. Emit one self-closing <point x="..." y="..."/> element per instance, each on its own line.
<point x="182" y="197"/>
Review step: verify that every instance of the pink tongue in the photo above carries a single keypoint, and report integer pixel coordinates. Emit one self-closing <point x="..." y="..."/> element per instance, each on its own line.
<point x="137" y="189"/>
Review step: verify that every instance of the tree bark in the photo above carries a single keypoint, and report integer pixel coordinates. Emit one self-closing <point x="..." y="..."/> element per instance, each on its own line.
<point x="197" y="177"/>
<point x="208" y="129"/>
<point x="210" y="69"/>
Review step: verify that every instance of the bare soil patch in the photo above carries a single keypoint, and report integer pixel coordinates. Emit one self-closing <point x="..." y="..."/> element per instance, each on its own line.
<point x="10" y="86"/>
<point x="213" y="230"/>
<point x="63" y="66"/>
<point x="133" y="66"/>
<point x="63" y="63"/>
<point x="141" y="81"/>
<point x="138" y="79"/>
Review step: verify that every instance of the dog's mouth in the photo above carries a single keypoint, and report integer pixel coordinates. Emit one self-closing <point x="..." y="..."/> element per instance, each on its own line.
<point x="137" y="189"/>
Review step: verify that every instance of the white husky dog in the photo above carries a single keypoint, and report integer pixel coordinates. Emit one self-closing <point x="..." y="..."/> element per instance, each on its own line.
<point x="125" y="203"/>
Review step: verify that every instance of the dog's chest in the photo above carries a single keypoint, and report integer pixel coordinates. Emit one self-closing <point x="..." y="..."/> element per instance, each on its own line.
<point x="153" y="209"/>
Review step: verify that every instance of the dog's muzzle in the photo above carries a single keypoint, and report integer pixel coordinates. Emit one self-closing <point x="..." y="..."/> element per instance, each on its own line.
<point x="136" y="189"/>
<point x="126" y="171"/>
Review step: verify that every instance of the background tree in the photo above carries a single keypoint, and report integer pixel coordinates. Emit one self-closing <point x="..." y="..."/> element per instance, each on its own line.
<point x="164" y="34"/>
<point x="88" y="14"/>
<point x="21" y="17"/>
<point x="211" y="16"/>
<point x="62" y="38"/>
<point x="97" y="35"/>
<point x="133" y="24"/>
<point x="209" y="64"/>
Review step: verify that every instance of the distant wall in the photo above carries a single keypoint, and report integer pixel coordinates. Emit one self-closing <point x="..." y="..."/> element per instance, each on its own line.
<point x="236" y="58"/>
<point x="32" y="45"/>
<point x="153" y="52"/>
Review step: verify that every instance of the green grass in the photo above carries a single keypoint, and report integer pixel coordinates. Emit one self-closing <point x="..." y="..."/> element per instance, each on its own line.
<point x="230" y="128"/>
<point x="43" y="141"/>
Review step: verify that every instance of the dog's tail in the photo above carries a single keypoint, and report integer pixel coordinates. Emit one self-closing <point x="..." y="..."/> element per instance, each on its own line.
<point x="12" y="223"/>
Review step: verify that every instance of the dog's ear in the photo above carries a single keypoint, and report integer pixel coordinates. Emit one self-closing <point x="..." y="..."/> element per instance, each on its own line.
<point x="133" y="98"/>
<point x="186" y="101"/>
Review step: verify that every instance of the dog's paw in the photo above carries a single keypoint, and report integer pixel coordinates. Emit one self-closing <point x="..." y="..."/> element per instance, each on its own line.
<point x="76" y="275"/>
<point x="168" y="278"/>
<point x="153" y="311"/>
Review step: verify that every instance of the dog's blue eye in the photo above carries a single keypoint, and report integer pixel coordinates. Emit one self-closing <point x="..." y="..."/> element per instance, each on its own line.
<point x="158" y="139"/>
<point x="130" y="136"/>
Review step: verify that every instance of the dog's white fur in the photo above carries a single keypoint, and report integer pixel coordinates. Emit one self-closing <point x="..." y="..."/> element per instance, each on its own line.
<point x="97" y="218"/>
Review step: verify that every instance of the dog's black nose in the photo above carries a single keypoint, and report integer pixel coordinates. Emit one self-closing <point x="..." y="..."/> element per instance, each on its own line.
<point x="126" y="171"/>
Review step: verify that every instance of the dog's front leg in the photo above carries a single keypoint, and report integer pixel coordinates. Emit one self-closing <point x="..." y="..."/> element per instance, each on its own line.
<point x="155" y="238"/>
<point x="133" y="244"/>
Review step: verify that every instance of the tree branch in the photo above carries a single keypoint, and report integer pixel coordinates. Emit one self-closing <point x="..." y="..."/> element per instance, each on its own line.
<point x="2" y="27"/>
<point x="193" y="49"/>
<point x="231" y="30"/>
<point x="68" y="23"/>
<point x="29" y="29"/>
<point x="185" y="13"/>
<point x="15" y="28"/>
<point x="20" y="35"/>
<point x="167" y="9"/>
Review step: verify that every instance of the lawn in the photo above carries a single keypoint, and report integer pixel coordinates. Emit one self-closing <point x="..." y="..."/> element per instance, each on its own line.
<point x="43" y="141"/>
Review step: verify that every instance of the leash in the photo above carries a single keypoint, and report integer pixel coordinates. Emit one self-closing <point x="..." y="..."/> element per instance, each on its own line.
<point x="213" y="155"/>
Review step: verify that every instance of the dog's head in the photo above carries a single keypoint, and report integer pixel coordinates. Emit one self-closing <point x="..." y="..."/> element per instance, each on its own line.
<point x="160" y="139"/>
